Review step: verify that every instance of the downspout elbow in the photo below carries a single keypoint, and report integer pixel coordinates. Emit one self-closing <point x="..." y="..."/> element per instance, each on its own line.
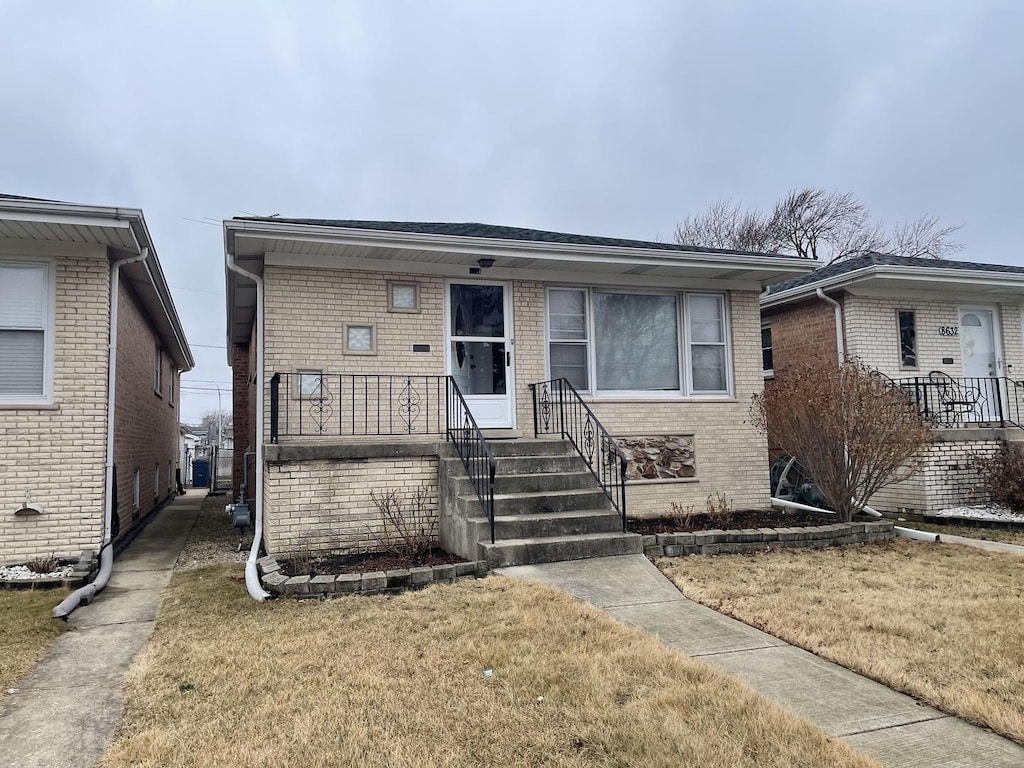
<point x="840" y="342"/>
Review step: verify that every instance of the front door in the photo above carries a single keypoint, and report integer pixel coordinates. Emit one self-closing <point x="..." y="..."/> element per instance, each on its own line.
<point x="479" y="350"/>
<point x="981" y="360"/>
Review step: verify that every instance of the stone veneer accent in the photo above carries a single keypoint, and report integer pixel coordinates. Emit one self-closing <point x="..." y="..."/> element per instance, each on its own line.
<point x="718" y="542"/>
<point x="375" y="583"/>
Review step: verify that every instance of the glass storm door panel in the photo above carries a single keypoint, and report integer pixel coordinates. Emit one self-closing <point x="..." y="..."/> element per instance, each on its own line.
<point x="480" y="352"/>
<point x="980" y="361"/>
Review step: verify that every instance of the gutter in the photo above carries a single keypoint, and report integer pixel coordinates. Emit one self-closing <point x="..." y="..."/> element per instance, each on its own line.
<point x="840" y="341"/>
<point x="89" y="591"/>
<point x="252" y="579"/>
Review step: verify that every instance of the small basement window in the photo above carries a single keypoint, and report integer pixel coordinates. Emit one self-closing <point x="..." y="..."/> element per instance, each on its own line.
<point x="908" y="339"/>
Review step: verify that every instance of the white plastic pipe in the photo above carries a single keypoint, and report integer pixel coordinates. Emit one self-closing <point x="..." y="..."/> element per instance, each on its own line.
<point x="72" y="601"/>
<point x="840" y="343"/>
<point x="252" y="578"/>
<point x="907" y="533"/>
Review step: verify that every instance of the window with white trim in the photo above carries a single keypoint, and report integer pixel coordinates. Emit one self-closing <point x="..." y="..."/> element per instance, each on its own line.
<point x="639" y="342"/>
<point x="170" y="384"/>
<point x="156" y="481"/>
<point x="767" y="356"/>
<point x="26" y="331"/>
<point x="136" y="490"/>
<point x="908" y="338"/>
<point x="158" y="369"/>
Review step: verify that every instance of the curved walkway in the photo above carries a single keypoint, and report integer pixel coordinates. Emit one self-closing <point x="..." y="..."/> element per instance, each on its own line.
<point x="891" y="727"/>
<point x="64" y="712"/>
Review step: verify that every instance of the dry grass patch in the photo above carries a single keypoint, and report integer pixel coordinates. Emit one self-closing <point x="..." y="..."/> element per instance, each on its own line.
<point x="26" y="630"/>
<point x="400" y="682"/>
<point x="1003" y="535"/>
<point x="939" y="621"/>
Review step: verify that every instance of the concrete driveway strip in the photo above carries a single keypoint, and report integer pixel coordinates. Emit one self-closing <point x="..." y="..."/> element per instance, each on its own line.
<point x="889" y="726"/>
<point x="66" y="710"/>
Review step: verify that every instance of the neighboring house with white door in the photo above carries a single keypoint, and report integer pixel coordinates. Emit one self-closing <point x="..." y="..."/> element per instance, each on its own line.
<point x="382" y="352"/>
<point x="91" y="349"/>
<point x="948" y="332"/>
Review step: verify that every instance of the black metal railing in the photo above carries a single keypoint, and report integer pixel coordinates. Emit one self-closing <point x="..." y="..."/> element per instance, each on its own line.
<point x="472" y="448"/>
<point x="949" y="401"/>
<point x="356" y="404"/>
<point x="559" y="409"/>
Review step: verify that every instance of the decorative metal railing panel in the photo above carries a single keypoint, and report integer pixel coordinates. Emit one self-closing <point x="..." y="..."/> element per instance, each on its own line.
<point x="473" y="449"/>
<point x="558" y="409"/>
<point x="360" y="404"/>
<point x="948" y="401"/>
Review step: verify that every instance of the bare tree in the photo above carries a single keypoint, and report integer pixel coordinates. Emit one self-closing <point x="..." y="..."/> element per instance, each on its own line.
<point x="851" y="429"/>
<point x="814" y="224"/>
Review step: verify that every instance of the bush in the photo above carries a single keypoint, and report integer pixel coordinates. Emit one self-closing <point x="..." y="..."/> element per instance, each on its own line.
<point x="1003" y="474"/>
<point x="408" y="525"/>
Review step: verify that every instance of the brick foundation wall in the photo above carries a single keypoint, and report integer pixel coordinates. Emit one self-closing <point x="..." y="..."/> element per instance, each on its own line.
<point x="145" y="421"/>
<point x="325" y="505"/>
<point x="56" y="453"/>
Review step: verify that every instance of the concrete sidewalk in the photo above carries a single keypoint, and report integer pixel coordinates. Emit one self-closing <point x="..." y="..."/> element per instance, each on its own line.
<point x="891" y="727"/>
<point x="66" y="709"/>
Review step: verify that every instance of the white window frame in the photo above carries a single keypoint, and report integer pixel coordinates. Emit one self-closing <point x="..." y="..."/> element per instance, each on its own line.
<point x="586" y="342"/>
<point x="685" y="391"/>
<point x="49" y="313"/>
<point x="170" y="385"/>
<point x="769" y="373"/>
<point x="899" y="341"/>
<point x="156" y="480"/>
<point x="158" y="370"/>
<point x="136" y="490"/>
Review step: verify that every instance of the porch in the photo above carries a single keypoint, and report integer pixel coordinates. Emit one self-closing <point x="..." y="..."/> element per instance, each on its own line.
<point x="948" y="402"/>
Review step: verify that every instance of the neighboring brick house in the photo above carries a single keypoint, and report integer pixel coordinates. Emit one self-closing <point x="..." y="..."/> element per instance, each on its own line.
<point x="58" y="263"/>
<point x="368" y="327"/>
<point x="948" y="332"/>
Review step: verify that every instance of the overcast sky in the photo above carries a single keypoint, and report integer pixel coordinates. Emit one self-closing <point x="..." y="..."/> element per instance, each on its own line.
<point x="600" y="118"/>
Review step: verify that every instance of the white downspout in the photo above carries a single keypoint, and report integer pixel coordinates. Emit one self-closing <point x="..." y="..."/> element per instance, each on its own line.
<point x="87" y="592"/>
<point x="906" y="533"/>
<point x="840" y="344"/>
<point x="252" y="579"/>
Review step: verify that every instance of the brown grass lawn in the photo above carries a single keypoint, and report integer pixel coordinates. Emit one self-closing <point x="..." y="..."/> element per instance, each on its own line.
<point x="26" y="629"/>
<point x="941" y="622"/>
<point x="1004" y="535"/>
<point x="400" y="682"/>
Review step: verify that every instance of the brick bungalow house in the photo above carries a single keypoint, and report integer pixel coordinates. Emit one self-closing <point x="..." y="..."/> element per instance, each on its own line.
<point x="389" y="355"/>
<point x="948" y="332"/>
<point x="71" y="408"/>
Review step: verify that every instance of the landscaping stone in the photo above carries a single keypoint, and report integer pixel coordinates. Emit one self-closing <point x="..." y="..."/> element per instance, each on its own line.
<point x="465" y="569"/>
<point x="768" y="534"/>
<point x="420" y="576"/>
<point x="373" y="583"/>
<point x="650" y="540"/>
<point x="297" y="585"/>
<point x="481" y="568"/>
<point x="321" y="584"/>
<point x="684" y="538"/>
<point x="398" y="579"/>
<point x="347" y="583"/>
<point x="275" y="582"/>
<point x="709" y="549"/>
<point x="268" y="564"/>
<point x="666" y="539"/>
<point x="656" y="552"/>
<point x="673" y="550"/>
<point x="444" y="573"/>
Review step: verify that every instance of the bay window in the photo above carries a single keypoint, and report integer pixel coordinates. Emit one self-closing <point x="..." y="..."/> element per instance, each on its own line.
<point x="607" y="341"/>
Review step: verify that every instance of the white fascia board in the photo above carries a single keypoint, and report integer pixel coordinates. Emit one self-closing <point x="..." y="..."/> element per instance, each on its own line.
<point x="910" y="275"/>
<point x="563" y="277"/>
<point x="481" y="246"/>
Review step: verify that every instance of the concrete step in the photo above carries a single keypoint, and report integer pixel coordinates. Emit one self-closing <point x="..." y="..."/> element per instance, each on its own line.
<point x="524" y="465"/>
<point x="536" y="482"/>
<point x="557" y="548"/>
<point x="532" y="447"/>
<point x="546" y="524"/>
<point x="552" y="501"/>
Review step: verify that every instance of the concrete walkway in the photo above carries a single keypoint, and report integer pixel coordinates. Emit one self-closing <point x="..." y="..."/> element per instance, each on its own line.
<point x="891" y="727"/>
<point x="65" y="710"/>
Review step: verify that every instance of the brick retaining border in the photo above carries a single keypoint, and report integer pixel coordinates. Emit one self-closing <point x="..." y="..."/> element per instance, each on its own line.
<point x="718" y="542"/>
<point x="376" y="583"/>
<point x="86" y="566"/>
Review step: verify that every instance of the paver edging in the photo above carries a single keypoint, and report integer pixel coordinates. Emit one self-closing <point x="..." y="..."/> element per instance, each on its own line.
<point x="373" y="583"/>
<point x="720" y="542"/>
<point x="82" y="573"/>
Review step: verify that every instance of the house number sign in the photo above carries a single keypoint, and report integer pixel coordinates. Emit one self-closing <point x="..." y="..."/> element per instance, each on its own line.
<point x="949" y="330"/>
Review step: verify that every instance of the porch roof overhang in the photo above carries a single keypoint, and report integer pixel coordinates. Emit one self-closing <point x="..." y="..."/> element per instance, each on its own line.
<point x="909" y="281"/>
<point x="255" y="243"/>
<point x="122" y="231"/>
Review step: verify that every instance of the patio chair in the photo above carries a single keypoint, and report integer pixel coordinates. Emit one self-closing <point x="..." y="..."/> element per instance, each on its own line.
<point x="957" y="401"/>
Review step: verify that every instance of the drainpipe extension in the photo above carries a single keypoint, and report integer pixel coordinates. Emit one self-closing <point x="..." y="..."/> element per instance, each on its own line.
<point x="89" y="591"/>
<point x="906" y="533"/>
<point x="840" y="343"/>
<point x="252" y="579"/>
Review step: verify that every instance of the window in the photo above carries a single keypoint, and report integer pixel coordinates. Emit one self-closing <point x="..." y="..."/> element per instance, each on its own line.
<point x="170" y="384"/>
<point x="908" y="339"/>
<point x="767" y="363"/>
<point x="170" y="476"/>
<point x="158" y="369"/>
<point x="616" y="342"/>
<point x="311" y="384"/>
<point x="360" y="339"/>
<point x="136" y="490"/>
<point x="26" y="332"/>
<point x="403" y="297"/>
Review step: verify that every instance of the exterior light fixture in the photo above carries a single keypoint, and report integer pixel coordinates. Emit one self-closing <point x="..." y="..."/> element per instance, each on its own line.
<point x="485" y="263"/>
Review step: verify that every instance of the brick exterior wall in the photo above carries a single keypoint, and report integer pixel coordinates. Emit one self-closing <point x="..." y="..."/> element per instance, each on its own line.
<point x="241" y="402"/>
<point x="306" y="310"/>
<point x="56" y="453"/>
<point x="145" y="421"/>
<point x="803" y="332"/>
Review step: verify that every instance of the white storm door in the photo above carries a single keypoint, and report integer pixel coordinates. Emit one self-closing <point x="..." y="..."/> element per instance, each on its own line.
<point x="479" y="350"/>
<point x="981" y="360"/>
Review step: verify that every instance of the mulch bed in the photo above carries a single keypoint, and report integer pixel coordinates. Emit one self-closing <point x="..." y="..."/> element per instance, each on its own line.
<point x="736" y="521"/>
<point x="367" y="563"/>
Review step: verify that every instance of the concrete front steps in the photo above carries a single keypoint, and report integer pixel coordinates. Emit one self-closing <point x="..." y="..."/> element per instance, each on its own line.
<point x="547" y="507"/>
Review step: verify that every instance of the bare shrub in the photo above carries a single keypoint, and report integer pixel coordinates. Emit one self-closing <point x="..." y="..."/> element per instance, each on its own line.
<point x="719" y="508"/>
<point x="45" y="564"/>
<point x="682" y="516"/>
<point x="408" y="525"/>
<point x="1003" y="474"/>
<point x="851" y="429"/>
